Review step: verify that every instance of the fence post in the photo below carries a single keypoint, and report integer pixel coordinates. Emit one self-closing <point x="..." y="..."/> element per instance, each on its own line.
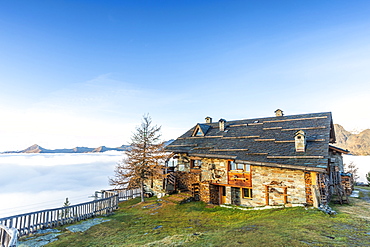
<point x="9" y="236"/>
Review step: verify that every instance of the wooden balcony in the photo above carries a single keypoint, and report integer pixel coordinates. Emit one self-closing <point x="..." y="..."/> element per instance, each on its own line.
<point x="240" y="179"/>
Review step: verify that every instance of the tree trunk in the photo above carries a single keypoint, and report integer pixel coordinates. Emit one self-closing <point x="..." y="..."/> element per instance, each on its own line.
<point x="142" y="191"/>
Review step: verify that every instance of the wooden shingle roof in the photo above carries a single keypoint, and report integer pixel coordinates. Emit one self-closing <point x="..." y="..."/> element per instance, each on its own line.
<point x="263" y="141"/>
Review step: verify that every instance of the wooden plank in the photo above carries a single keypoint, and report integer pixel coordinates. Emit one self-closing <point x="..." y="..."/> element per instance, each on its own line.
<point x="237" y="125"/>
<point x="252" y="124"/>
<point x="295" y="157"/>
<point x="239" y="137"/>
<point x="228" y="149"/>
<point x="272" y="128"/>
<point x="305" y="128"/>
<point x="294" y="119"/>
<point x="285" y="195"/>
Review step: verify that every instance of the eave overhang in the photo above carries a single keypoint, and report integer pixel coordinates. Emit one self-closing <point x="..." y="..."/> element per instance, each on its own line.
<point x="340" y="150"/>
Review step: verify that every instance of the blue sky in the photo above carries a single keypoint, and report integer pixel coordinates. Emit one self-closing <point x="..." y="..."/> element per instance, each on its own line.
<point x="83" y="73"/>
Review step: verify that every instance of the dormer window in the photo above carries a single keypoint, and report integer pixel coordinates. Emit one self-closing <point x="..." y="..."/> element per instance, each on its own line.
<point x="201" y="130"/>
<point x="300" y="141"/>
<point x="198" y="131"/>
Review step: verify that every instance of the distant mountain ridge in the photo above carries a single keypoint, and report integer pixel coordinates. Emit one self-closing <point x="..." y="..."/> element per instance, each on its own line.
<point x="38" y="149"/>
<point x="357" y="144"/>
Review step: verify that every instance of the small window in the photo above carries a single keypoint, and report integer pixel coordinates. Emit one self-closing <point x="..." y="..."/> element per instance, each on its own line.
<point x="172" y="163"/>
<point x="247" y="168"/>
<point x="239" y="166"/>
<point x="232" y="165"/>
<point x="199" y="133"/>
<point x="247" y="192"/>
<point x="200" y="130"/>
<point x="181" y="167"/>
<point x="196" y="164"/>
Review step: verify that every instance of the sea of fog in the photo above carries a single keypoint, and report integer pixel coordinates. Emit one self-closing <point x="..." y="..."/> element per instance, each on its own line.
<point x="362" y="163"/>
<point x="32" y="182"/>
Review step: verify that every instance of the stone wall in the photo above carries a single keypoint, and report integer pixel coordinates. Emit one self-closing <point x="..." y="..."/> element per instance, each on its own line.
<point x="284" y="185"/>
<point x="278" y="180"/>
<point x="185" y="180"/>
<point x="213" y="170"/>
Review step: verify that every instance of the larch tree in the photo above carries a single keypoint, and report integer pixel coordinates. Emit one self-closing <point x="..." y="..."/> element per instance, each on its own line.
<point x="144" y="159"/>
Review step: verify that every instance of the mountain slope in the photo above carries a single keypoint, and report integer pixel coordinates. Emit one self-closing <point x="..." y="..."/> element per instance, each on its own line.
<point x="357" y="144"/>
<point x="34" y="149"/>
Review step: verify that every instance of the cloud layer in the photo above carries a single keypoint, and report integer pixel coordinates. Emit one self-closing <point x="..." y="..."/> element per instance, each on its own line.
<point x="31" y="182"/>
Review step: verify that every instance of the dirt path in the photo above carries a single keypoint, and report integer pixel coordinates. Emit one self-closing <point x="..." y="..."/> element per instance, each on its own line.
<point x="359" y="207"/>
<point x="364" y="194"/>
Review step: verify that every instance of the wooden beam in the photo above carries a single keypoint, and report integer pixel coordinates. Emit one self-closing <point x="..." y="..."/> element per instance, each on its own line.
<point x="295" y="157"/>
<point x="267" y="195"/>
<point x="239" y="137"/>
<point x="294" y="119"/>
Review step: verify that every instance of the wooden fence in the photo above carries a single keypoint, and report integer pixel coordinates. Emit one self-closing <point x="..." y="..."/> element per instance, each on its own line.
<point x="19" y="225"/>
<point x="8" y="236"/>
<point x="123" y="194"/>
<point x="31" y="222"/>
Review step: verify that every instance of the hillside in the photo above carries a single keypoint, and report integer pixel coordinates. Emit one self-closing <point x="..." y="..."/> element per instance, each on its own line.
<point x="357" y="144"/>
<point x="165" y="222"/>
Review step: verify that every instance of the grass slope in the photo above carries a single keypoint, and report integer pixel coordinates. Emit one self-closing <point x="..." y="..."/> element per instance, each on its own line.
<point x="165" y="223"/>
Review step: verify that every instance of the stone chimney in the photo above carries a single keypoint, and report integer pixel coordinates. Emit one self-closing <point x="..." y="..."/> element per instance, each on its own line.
<point x="208" y="120"/>
<point x="221" y="124"/>
<point x="300" y="141"/>
<point x="279" y="113"/>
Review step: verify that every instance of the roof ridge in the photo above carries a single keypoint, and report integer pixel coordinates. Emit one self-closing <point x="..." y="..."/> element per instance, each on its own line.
<point x="271" y="117"/>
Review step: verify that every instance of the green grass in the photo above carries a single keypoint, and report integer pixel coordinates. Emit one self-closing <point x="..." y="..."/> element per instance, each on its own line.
<point x="198" y="224"/>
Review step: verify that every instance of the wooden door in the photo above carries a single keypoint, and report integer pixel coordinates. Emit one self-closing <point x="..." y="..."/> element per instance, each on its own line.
<point x="222" y="194"/>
